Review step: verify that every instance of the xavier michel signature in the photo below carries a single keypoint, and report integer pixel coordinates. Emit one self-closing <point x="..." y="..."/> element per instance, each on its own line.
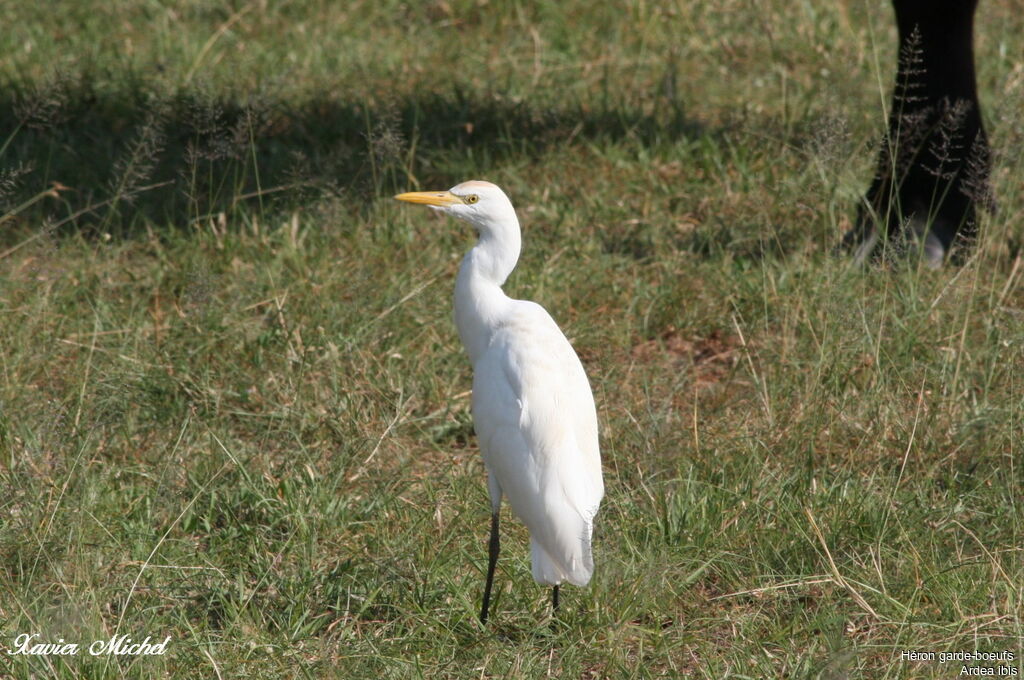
<point x="119" y="645"/>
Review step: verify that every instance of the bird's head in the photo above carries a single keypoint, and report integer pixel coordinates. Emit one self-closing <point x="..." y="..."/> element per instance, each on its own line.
<point x="482" y="204"/>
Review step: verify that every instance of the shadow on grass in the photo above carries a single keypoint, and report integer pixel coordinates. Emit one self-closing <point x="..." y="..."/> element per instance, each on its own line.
<point x="126" y="160"/>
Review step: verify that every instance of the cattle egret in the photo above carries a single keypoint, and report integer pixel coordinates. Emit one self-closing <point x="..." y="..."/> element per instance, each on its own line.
<point x="533" y="410"/>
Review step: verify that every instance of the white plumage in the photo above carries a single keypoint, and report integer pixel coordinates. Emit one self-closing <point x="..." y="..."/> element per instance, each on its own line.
<point x="533" y="410"/>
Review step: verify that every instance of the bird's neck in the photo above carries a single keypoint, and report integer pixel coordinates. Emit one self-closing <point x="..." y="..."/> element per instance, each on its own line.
<point x="480" y="304"/>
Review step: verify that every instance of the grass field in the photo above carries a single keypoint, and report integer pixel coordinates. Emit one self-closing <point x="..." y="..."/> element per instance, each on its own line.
<point x="234" y="409"/>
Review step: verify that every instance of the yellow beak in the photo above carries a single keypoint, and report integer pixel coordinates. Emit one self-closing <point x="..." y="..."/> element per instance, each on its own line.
<point x="435" y="198"/>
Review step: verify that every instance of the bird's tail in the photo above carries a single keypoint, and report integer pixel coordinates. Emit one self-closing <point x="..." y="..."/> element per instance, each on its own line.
<point x="576" y="565"/>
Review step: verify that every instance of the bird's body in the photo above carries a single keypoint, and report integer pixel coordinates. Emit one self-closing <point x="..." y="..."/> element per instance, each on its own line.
<point x="533" y="410"/>
<point x="534" y="416"/>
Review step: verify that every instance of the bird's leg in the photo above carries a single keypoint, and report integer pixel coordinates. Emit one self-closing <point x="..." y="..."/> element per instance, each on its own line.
<point x="554" y="599"/>
<point x="492" y="561"/>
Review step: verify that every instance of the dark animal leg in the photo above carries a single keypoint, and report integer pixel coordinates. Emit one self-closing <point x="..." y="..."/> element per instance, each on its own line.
<point x="934" y="163"/>
<point x="492" y="561"/>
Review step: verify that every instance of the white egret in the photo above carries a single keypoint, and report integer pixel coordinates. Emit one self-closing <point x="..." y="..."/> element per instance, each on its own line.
<point x="533" y="410"/>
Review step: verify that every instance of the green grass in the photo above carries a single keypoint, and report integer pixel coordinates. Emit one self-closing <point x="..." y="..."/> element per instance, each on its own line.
<point x="234" y="410"/>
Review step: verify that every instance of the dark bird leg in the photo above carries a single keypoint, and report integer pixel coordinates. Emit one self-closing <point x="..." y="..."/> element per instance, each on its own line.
<point x="554" y="599"/>
<point x="492" y="561"/>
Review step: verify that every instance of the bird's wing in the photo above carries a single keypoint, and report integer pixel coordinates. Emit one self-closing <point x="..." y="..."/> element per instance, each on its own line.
<point x="534" y="415"/>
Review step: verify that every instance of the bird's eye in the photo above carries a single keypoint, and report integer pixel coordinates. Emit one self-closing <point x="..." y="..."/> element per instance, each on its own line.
<point x="472" y="198"/>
